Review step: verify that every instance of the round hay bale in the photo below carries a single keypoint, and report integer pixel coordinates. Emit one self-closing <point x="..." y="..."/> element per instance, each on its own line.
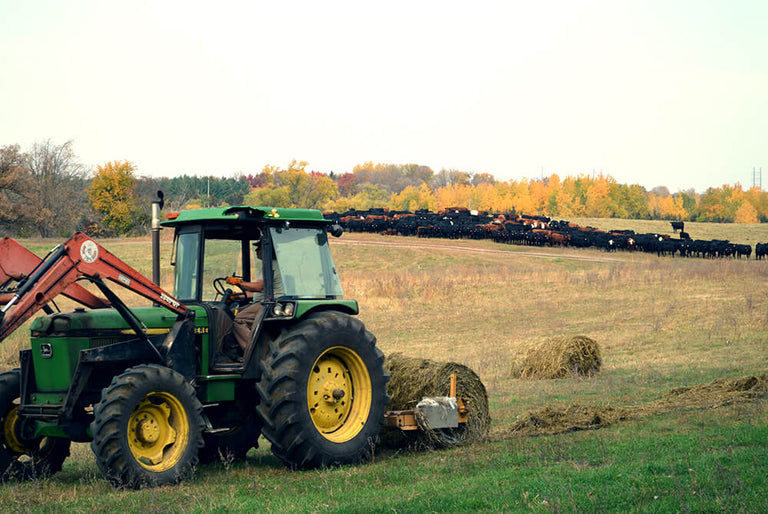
<point x="558" y="357"/>
<point x="411" y="379"/>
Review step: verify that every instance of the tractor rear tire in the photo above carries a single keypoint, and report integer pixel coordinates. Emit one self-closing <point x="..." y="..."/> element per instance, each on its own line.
<point x="20" y="458"/>
<point x="147" y="428"/>
<point x="323" y="392"/>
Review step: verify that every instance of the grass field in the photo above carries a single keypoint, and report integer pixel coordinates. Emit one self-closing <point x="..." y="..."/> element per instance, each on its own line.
<point x="662" y="323"/>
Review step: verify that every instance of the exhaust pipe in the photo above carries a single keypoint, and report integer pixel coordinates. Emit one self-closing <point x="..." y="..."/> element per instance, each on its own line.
<point x="157" y="204"/>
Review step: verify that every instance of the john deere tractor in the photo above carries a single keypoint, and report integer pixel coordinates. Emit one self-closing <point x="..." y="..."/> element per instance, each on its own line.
<point x="156" y="389"/>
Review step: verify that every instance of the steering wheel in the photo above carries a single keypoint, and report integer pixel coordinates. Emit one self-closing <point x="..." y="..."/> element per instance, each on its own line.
<point x="222" y="288"/>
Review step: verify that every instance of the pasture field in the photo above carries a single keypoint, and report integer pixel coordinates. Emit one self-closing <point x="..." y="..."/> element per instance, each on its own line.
<point x="662" y="324"/>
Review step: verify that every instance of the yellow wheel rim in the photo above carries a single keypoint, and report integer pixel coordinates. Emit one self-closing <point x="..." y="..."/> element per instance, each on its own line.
<point x="158" y="432"/>
<point x="9" y="432"/>
<point x="339" y="394"/>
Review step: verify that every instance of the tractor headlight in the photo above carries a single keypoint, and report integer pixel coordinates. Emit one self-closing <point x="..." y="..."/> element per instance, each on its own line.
<point x="283" y="310"/>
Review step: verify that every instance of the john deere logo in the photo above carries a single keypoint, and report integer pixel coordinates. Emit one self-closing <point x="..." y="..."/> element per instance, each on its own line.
<point x="46" y="350"/>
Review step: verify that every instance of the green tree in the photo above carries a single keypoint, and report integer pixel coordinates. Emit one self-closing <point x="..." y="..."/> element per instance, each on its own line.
<point x="112" y="196"/>
<point x="690" y="203"/>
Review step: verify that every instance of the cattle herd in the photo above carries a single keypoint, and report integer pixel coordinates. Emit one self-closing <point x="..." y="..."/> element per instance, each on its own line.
<point x="461" y="223"/>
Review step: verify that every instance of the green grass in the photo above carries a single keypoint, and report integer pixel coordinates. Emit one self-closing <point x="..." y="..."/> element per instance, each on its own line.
<point x="690" y="461"/>
<point x="661" y="323"/>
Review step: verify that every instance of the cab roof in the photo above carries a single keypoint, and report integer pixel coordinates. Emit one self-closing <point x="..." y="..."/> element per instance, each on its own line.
<point x="242" y="213"/>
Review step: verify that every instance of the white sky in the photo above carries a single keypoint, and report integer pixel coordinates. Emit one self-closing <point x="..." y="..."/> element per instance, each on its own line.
<point x="665" y="92"/>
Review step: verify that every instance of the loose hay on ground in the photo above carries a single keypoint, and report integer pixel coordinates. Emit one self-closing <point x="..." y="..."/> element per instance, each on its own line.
<point x="412" y="379"/>
<point x="720" y="392"/>
<point x="549" y="420"/>
<point x="557" y="357"/>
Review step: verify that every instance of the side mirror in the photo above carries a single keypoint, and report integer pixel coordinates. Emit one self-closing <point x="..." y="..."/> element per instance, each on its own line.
<point x="335" y="230"/>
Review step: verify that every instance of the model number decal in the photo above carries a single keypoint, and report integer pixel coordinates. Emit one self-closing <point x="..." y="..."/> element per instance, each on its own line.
<point x="167" y="299"/>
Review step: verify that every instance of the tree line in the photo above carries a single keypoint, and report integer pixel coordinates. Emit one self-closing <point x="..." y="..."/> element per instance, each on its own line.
<point x="45" y="191"/>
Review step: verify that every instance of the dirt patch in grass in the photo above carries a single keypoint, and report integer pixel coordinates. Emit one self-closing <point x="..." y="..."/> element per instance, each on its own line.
<point x="720" y="392"/>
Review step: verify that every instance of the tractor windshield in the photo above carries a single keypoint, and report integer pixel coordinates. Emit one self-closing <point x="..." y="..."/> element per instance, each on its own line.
<point x="306" y="266"/>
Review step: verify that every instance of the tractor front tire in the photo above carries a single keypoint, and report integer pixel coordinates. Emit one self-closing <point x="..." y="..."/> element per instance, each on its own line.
<point x="323" y="392"/>
<point x="147" y="428"/>
<point x="21" y="458"/>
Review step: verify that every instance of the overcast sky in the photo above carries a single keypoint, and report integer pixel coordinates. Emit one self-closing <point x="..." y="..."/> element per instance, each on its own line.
<point x="665" y="92"/>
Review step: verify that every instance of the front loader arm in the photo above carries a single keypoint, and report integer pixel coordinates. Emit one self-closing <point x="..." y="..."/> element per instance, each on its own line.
<point x="17" y="263"/>
<point x="78" y="258"/>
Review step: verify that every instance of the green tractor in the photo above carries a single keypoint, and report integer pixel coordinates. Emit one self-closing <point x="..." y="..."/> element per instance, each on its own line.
<point x="157" y="389"/>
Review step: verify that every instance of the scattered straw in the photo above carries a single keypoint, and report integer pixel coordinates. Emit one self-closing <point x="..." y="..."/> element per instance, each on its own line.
<point x="719" y="392"/>
<point x="550" y="420"/>
<point x="413" y="379"/>
<point x="557" y="357"/>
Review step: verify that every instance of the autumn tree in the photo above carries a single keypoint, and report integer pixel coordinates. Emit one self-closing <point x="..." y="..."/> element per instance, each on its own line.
<point x="451" y="178"/>
<point x="665" y="206"/>
<point x="414" y="198"/>
<point x="746" y="213"/>
<point x="14" y="187"/>
<point x="392" y="177"/>
<point x="538" y="192"/>
<point x="483" y="178"/>
<point x="759" y="200"/>
<point x="720" y="203"/>
<point x="348" y="184"/>
<point x="112" y="196"/>
<point x="293" y="187"/>
<point x="57" y="197"/>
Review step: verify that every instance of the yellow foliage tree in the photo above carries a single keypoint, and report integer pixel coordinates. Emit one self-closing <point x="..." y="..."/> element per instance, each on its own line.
<point x="746" y="213"/>
<point x="568" y="199"/>
<point x="759" y="200"/>
<point x="598" y="202"/>
<point x="539" y="193"/>
<point x="666" y="207"/>
<point x="293" y="187"/>
<point x="458" y="195"/>
<point x="414" y="198"/>
<point x="112" y="195"/>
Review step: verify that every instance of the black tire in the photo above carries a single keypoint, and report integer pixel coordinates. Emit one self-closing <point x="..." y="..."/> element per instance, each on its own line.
<point x="23" y="459"/>
<point x="147" y="428"/>
<point x="231" y="445"/>
<point x="337" y="420"/>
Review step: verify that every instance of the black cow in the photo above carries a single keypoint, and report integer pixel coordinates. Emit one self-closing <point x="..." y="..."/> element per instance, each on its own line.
<point x="761" y="250"/>
<point x="678" y="225"/>
<point x="743" y="250"/>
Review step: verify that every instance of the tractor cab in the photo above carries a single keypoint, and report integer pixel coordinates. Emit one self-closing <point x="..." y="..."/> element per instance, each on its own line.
<point x="213" y="244"/>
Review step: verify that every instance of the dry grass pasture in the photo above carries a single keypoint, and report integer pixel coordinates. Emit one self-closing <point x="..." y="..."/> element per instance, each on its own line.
<point x="662" y="324"/>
